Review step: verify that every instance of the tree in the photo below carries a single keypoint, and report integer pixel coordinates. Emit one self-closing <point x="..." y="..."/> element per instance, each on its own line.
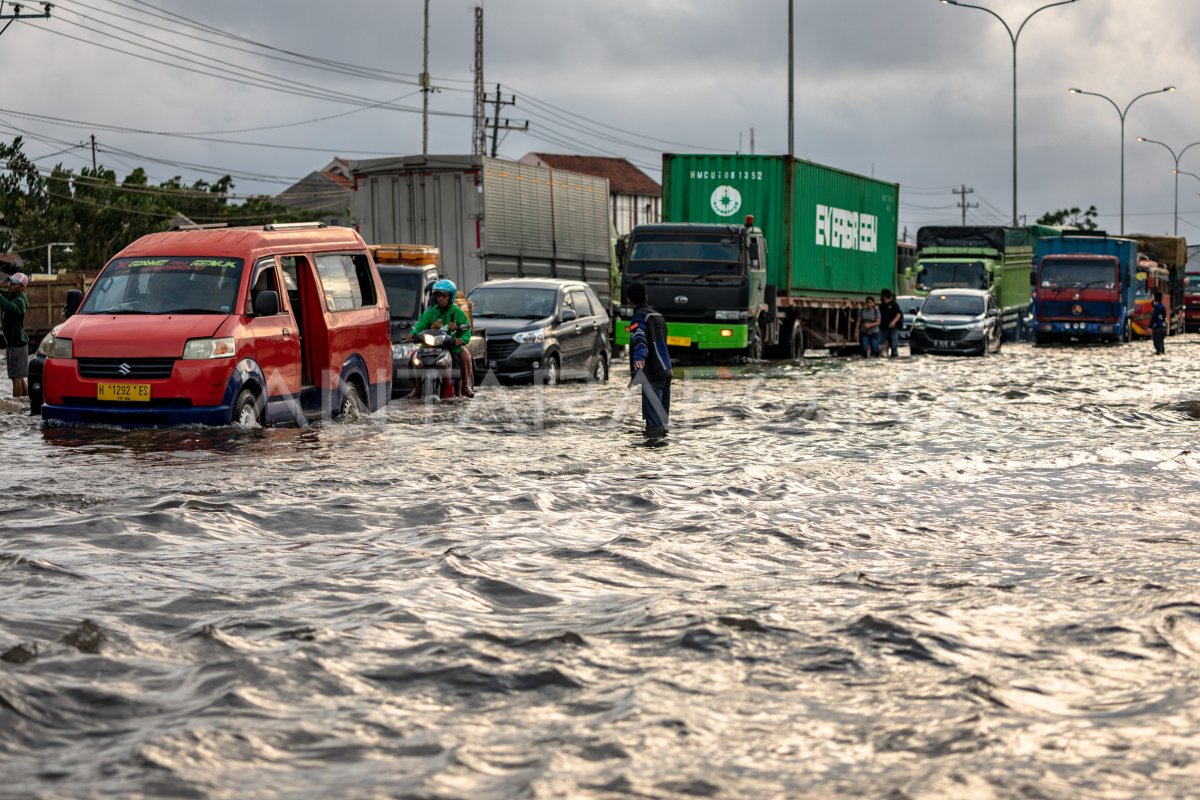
<point x="1071" y="217"/>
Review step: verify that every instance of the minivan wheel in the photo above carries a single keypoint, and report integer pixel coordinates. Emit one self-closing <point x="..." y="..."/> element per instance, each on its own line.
<point x="352" y="406"/>
<point x="247" y="410"/>
<point x="550" y="374"/>
<point x="600" y="372"/>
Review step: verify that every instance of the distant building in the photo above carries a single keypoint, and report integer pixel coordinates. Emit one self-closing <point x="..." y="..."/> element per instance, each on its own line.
<point x="327" y="193"/>
<point x="634" y="197"/>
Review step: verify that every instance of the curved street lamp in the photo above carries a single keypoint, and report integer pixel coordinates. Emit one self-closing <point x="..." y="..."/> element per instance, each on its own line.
<point x="1122" y="114"/>
<point x="1014" y="37"/>
<point x="1176" y="170"/>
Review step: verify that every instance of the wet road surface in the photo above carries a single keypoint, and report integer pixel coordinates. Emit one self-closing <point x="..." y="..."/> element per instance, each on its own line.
<point x="911" y="578"/>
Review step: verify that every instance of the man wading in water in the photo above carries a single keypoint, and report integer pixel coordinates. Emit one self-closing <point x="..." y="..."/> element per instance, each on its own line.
<point x="649" y="362"/>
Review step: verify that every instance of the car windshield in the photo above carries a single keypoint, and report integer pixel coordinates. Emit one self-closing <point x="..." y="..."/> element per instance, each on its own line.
<point x="1078" y="273"/>
<point x="517" y="302"/>
<point x="952" y="305"/>
<point x="403" y="294"/>
<point x="166" y="285"/>
<point x="684" y="253"/>
<point x="951" y="275"/>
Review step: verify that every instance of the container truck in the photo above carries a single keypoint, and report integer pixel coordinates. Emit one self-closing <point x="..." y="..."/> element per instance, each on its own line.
<point x="1161" y="264"/>
<point x="1084" y="286"/>
<point x="761" y="253"/>
<point x="491" y="218"/>
<point x="996" y="259"/>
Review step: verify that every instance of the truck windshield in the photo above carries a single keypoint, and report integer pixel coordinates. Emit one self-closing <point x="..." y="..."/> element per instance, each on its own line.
<point x="1078" y="274"/>
<point x="952" y="305"/>
<point x="1193" y="284"/>
<point x="513" y="302"/>
<point x="166" y="285"/>
<point x="951" y="275"/>
<point x="403" y="294"/>
<point x="687" y="253"/>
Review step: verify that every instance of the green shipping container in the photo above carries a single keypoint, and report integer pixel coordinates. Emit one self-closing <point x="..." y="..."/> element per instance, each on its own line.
<point x="829" y="233"/>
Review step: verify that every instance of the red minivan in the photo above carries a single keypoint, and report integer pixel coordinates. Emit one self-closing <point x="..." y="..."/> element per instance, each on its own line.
<point x="280" y="323"/>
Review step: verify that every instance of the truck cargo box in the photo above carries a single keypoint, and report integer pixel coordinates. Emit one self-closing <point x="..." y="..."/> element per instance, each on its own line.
<point x="829" y="233"/>
<point x="491" y="218"/>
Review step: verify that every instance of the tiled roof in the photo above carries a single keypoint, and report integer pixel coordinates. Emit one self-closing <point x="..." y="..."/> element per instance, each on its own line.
<point x="623" y="177"/>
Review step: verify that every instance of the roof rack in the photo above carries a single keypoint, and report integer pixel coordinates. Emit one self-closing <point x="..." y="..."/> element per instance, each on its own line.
<point x="293" y="226"/>
<point x="195" y="226"/>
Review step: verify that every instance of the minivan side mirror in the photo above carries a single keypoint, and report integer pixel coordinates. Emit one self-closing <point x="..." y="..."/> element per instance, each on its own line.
<point x="266" y="303"/>
<point x="568" y="314"/>
<point x="74" y="301"/>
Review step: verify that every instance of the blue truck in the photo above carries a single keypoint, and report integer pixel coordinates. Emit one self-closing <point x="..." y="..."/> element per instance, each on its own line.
<point x="1084" y="287"/>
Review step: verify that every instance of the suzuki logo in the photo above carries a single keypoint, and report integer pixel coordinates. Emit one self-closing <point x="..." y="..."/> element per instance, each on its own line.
<point x="681" y="300"/>
<point x="124" y="369"/>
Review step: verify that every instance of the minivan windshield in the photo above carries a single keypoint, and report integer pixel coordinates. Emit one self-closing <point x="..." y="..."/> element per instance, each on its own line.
<point x="403" y="293"/>
<point x="952" y="305"/>
<point x="513" y="302"/>
<point x="166" y="285"/>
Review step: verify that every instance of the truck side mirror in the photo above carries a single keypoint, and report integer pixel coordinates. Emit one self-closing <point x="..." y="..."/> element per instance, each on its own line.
<point x="1033" y="279"/>
<point x="754" y="256"/>
<point x="620" y="249"/>
<point x="74" y="301"/>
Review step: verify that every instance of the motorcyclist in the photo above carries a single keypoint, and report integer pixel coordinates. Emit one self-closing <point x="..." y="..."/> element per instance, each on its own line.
<point x="445" y="314"/>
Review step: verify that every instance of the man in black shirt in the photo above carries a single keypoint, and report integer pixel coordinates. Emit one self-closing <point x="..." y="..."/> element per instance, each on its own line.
<point x="891" y="318"/>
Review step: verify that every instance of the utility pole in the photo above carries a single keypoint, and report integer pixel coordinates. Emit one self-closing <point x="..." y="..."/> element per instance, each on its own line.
<point x="508" y="124"/>
<point x="479" y="132"/>
<point x="963" y="204"/>
<point x="752" y="141"/>
<point x="425" y="89"/>
<point x="17" y="14"/>
<point x="791" y="91"/>
<point x="93" y="153"/>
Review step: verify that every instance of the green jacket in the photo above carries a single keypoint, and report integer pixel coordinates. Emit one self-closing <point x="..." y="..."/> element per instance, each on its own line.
<point x="12" y="318"/>
<point x="453" y="315"/>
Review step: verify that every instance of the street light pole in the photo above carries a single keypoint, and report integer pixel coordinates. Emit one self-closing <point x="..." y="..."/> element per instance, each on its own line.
<point x="1014" y="37"/>
<point x="1122" y="114"/>
<point x="1176" y="170"/>
<point x="49" y="247"/>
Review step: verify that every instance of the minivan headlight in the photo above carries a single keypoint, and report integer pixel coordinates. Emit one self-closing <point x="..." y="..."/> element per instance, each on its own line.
<point x="54" y="347"/>
<point x="209" y="348"/>
<point x="530" y="337"/>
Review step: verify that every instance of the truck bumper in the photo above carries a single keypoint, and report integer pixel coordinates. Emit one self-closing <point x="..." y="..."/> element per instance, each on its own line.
<point x="695" y="335"/>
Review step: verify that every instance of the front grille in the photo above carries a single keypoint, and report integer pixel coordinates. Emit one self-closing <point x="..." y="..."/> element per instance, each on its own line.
<point x="498" y="350"/>
<point x="945" y="335"/>
<point x="126" y="369"/>
<point x="1066" y="310"/>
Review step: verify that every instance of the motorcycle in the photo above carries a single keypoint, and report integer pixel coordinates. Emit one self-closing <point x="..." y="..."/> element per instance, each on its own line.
<point x="433" y="364"/>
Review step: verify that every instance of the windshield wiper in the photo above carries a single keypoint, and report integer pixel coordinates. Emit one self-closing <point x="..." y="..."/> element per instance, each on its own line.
<point x="192" y="311"/>
<point x="125" y="311"/>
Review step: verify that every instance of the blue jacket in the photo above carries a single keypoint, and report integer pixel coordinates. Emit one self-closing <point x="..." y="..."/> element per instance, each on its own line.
<point x="1158" y="316"/>
<point x="648" y="342"/>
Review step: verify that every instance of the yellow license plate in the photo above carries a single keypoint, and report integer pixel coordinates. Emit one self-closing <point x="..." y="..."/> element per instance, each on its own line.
<point x="132" y="392"/>
<point x="679" y="341"/>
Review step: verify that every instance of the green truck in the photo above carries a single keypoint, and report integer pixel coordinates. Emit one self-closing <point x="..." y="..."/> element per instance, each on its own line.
<point x="998" y="259"/>
<point x="761" y="254"/>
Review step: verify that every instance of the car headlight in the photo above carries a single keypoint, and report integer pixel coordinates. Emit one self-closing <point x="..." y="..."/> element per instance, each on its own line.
<point x="530" y="337"/>
<point x="403" y="350"/>
<point x="732" y="314"/>
<point x="918" y="323"/>
<point x="196" y="349"/>
<point x="54" y="347"/>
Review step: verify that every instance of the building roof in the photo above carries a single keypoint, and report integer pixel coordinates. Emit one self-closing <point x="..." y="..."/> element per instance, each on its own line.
<point x="623" y="177"/>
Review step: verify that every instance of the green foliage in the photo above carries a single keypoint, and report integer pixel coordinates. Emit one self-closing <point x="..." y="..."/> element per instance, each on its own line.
<point x="1073" y="217"/>
<point x="101" y="215"/>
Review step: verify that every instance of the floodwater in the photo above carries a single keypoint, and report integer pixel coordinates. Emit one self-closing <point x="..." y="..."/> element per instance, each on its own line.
<point x="912" y="578"/>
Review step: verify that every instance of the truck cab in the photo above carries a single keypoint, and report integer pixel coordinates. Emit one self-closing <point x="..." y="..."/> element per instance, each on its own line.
<point x="707" y="280"/>
<point x="1084" y="288"/>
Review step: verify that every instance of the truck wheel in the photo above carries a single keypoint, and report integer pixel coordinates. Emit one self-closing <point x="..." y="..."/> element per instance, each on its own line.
<point x="1127" y="333"/>
<point x="795" y="343"/>
<point x="754" y="347"/>
<point x="247" y="410"/>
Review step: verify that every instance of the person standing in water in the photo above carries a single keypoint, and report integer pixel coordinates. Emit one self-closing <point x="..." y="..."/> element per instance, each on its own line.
<point x="649" y="361"/>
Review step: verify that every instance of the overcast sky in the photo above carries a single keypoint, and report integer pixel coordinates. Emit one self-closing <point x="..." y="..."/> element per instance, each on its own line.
<point x="914" y="92"/>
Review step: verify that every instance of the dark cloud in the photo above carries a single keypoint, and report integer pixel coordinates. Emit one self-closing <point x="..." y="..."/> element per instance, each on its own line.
<point x="913" y="91"/>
